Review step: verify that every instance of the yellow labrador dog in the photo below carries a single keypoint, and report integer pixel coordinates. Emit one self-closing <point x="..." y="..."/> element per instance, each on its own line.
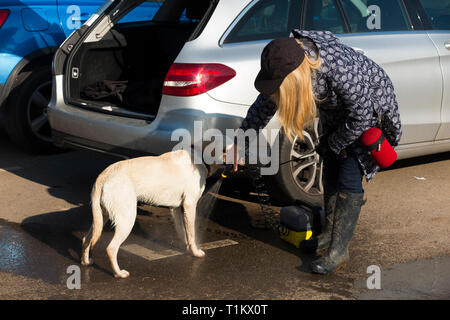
<point x="170" y="180"/>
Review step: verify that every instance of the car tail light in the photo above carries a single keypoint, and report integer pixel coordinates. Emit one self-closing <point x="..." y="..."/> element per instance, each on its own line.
<point x="3" y="16"/>
<point x="190" y="79"/>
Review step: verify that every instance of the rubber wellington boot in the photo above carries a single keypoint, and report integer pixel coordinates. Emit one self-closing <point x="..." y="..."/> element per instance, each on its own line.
<point x="323" y="240"/>
<point x="346" y="214"/>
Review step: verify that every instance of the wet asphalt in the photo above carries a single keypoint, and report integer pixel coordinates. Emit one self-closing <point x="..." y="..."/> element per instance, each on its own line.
<point x="44" y="213"/>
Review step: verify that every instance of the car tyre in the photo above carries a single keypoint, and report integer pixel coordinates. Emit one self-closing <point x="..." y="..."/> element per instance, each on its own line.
<point x="299" y="177"/>
<point x="25" y="113"/>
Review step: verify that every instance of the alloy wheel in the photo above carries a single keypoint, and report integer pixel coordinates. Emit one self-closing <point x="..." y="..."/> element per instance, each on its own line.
<point x="306" y="164"/>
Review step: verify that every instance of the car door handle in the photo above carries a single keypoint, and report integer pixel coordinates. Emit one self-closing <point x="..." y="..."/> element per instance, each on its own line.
<point x="359" y="50"/>
<point x="447" y="44"/>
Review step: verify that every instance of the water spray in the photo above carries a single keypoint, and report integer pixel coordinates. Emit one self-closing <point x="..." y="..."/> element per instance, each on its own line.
<point x="293" y="224"/>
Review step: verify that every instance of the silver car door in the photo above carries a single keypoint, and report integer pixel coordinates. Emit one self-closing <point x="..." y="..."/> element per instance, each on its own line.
<point x="438" y="14"/>
<point x="381" y="29"/>
<point x="442" y="43"/>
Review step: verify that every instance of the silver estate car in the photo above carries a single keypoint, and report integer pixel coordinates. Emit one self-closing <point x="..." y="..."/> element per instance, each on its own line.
<point x="122" y="88"/>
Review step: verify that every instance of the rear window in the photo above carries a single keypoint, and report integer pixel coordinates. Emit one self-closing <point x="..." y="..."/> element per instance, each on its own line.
<point x="266" y="20"/>
<point x="439" y="13"/>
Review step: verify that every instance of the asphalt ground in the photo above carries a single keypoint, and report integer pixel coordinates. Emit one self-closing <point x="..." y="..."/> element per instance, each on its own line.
<point x="404" y="229"/>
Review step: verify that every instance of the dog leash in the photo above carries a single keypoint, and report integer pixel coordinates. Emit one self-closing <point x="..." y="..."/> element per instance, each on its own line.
<point x="270" y="215"/>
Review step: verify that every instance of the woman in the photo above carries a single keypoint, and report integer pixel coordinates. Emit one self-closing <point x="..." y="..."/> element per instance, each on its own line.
<point x="313" y="71"/>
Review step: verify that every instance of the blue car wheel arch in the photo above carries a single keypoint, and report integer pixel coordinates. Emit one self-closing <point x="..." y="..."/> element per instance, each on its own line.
<point x="31" y="31"/>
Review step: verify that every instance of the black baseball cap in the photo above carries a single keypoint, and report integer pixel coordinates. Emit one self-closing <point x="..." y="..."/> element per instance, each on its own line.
<point x="279" y="58"/>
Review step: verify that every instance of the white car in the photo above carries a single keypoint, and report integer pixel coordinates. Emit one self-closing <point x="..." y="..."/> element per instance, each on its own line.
<point x="122" y="88"/>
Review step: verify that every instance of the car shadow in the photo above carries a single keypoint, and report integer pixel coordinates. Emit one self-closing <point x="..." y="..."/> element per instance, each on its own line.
<point x="417" y="161"/>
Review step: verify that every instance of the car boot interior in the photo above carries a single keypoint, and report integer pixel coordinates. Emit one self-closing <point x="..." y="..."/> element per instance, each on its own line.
<point x="126" y="69"/>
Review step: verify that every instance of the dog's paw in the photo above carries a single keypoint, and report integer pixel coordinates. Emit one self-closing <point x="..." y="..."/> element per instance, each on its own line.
<point x="198" y="253"/>
<point x="122" y="274"/>
<point x="87" y="262"/>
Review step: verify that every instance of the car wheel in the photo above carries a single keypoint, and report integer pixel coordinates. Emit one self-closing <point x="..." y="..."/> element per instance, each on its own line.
<point x="25" y="114"/>
<point x="300" y="173"/>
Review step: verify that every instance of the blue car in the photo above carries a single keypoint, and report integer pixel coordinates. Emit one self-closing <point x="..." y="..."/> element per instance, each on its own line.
<point x="30" y="32"/>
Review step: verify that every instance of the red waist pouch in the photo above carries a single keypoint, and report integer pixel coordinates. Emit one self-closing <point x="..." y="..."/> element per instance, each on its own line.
<point x="383" y="154"/>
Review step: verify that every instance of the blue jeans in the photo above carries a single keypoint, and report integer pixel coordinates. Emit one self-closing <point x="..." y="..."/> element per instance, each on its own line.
<point x="344" y="173"/>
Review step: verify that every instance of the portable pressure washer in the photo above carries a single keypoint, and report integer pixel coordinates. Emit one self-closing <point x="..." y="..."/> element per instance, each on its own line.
<point x="293" y="224"/>
<point x="300" y="222"/>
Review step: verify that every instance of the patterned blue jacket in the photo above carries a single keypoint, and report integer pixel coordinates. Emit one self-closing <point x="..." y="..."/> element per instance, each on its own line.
<point x="354" y="93"/>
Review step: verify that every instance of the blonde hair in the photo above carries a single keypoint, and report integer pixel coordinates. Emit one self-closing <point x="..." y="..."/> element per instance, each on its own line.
<point x="295" y="99"/>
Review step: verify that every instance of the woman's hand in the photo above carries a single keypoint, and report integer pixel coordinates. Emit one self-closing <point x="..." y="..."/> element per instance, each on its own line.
<point x="236" y="156"/>
<point x="236" y="160"/>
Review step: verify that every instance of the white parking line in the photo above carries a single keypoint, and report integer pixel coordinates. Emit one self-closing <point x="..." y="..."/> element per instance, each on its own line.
<point x="157" y="255"/>
<point x="10" y="169"/>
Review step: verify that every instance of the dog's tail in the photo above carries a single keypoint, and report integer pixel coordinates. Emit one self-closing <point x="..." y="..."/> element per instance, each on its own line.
<point x="97" y="212"/>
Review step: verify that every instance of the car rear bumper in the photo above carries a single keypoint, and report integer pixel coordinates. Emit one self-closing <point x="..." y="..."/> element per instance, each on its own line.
<point x="124" y="137"/>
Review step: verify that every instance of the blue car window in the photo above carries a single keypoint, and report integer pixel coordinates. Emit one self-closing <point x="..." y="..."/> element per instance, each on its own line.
<point x="438" y="12"/>
<point x="144" y="12"/>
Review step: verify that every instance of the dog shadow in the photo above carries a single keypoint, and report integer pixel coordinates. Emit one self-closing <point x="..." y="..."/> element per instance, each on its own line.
<point x="63" y="232"/>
